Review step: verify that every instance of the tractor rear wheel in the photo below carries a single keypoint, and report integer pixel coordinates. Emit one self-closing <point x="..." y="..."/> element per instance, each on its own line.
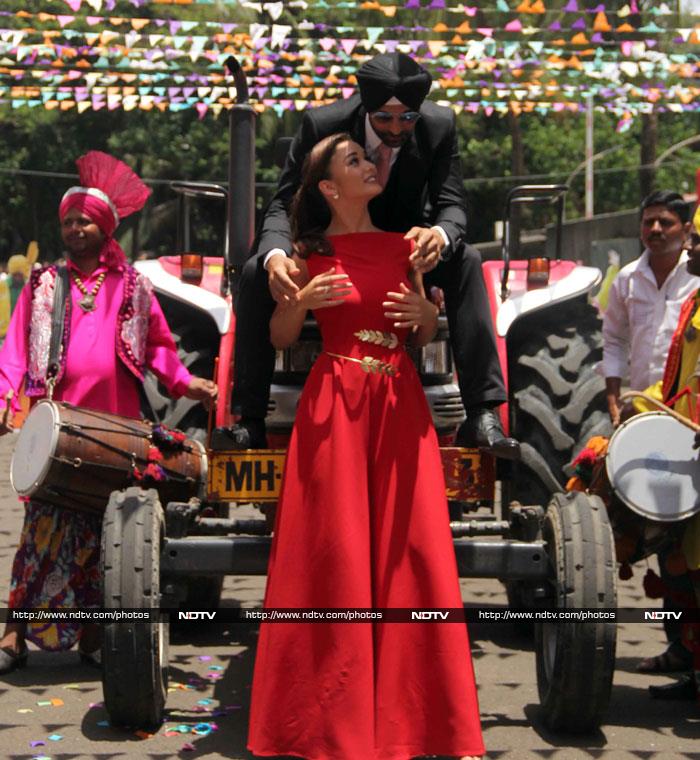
<point x="557" y="396"/>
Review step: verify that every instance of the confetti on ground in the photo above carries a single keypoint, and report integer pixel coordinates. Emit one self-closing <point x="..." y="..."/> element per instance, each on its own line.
<point x="183" y="728"/>
<point x="44" y="703"/>
<point x="202" y="729"/>
<point x="72" y="686"/>
<point x="40" y="757"/>
<point x="55" y="737"/>
<point x="37" y="743"/>
<point x="93" y="705"/>
<point x="103" y="723"/>
<point x="187" y="747"/>
<point x="143" y="734"/>
<point x="56" y="702"/>
<point x="216" y="667"/>
<point x="25" y="710"/>
<point x="205" y="701"/>
<point x="205" y="658"/>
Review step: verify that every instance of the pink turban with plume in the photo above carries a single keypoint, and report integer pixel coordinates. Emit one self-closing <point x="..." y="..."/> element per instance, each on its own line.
<point x="109" y="191"/>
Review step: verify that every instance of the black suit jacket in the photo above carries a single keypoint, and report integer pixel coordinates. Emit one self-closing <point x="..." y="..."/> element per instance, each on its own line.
<point x="424" y="187"/>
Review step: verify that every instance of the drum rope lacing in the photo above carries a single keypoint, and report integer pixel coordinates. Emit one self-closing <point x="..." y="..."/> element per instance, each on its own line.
<point x="78" y="430"/>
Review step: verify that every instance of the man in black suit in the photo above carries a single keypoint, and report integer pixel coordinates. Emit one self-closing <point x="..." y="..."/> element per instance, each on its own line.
<point x="414" y="143"/>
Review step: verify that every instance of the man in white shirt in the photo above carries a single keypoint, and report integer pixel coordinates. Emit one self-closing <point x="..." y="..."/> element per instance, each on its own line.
<point x="642" y="314"/>
<point x="645" y="300"/>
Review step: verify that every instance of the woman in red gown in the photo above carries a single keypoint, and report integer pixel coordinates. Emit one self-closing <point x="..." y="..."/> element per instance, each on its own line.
<point x="362" y="520"/>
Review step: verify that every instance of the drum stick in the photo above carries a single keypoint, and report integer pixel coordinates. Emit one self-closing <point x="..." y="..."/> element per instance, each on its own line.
<point x="212" y="405"/>
<point x="7" y="414"/>
<point x="661" y="407"/>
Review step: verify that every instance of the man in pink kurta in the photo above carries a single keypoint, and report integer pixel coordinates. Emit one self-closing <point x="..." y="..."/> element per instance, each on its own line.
<point x="94" y="377"/>
<point x="114" y="332"/>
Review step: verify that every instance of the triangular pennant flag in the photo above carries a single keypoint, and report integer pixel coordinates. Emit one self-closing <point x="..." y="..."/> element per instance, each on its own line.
<point x="348" y="46"/>
<point x="601" y="23"/>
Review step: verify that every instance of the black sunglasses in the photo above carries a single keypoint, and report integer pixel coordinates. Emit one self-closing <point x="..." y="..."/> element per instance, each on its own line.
<point x="384" y="117"/>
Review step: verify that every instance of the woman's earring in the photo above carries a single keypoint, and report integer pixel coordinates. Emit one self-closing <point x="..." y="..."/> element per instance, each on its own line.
<point x="336" y="196"/>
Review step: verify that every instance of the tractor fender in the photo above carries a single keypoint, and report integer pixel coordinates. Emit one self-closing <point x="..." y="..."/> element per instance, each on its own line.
<point x="214" y="305"/>
<point x="577" y="282"/>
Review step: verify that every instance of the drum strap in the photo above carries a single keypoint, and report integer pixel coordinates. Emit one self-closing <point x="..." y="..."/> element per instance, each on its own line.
<point x="58" y="318"/>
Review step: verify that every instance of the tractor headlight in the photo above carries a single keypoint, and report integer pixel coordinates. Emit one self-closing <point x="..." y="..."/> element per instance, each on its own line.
<point x="299" y="358"/>
<point x="303" y="354"/>
<point x="435" y="358"/>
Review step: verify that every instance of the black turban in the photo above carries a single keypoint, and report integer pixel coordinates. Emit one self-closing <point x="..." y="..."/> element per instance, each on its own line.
<point x="392" y="75"/>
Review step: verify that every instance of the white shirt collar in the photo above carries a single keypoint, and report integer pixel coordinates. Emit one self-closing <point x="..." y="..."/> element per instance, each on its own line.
<point x="644" y="267"/>
<point x="373" y="141"/>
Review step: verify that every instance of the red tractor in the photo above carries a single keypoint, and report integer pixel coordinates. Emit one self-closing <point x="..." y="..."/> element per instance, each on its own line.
<point x="509" y="521"/>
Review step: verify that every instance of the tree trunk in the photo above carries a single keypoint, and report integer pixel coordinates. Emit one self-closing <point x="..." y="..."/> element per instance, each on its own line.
<point x="647" y="155"/>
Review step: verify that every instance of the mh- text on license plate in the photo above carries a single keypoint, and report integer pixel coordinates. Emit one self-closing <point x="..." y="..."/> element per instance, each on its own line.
<point x="246" y="475"/>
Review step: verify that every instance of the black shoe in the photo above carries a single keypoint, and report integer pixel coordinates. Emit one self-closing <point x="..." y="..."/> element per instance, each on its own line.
<point x="11" y="660"/>
<point x="684" y="690"/>
<point x="247" y="434"/>
<point x="482" y="430"/>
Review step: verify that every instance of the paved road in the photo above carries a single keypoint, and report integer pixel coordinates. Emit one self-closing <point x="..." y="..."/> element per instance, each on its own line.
<point x="211" y="673"/>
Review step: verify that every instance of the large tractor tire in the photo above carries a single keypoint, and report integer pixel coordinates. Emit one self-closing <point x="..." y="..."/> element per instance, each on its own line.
<point x="557" y="396"/>
<point x="134" y="655"/>
<point x="197" y="342"/>
<point x="576" y="660"/>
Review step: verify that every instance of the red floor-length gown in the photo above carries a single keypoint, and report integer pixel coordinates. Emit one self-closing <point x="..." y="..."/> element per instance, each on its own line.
<point x="362" y="522"/>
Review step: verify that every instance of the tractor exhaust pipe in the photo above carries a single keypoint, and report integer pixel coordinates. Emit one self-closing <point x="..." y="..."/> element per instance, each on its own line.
<point x="241" y="177"/>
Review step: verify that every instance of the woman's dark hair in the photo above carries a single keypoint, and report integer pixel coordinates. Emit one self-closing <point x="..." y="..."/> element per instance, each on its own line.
<point x="309" y="214"/>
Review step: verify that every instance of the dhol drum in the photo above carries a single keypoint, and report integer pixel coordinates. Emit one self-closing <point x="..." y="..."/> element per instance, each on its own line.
<point x="75" y="458"/>
<point x="653" y="468"/>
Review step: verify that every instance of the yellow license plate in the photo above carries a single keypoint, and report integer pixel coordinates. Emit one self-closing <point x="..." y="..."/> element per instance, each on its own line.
<point x="246" y="475"/>
<point x="469" y="475"/>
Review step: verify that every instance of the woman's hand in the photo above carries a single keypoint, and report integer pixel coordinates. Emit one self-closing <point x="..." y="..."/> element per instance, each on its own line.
<point x="325" y="290"/>
<point x="202" y="390"/>
<point x="409" y="309"/>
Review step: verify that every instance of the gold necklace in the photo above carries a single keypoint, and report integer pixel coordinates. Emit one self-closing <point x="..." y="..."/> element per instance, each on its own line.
<point x="87" y="302"/>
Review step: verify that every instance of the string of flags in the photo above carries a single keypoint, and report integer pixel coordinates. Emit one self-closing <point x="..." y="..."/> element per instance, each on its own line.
<point x="510" y="56"/>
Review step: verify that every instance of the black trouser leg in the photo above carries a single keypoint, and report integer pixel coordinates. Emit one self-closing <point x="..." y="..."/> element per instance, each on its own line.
<point x="471" y="330"/>
<point x="255" y="355"/>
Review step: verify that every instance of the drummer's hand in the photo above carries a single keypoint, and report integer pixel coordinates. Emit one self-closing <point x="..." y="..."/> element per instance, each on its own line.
<point x="614" y="410"/>
<point x="6" y="424"/>
<point x="202" y="390"/>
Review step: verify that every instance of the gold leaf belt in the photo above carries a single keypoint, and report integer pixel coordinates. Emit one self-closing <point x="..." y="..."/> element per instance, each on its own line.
<point x="369" y="364"/>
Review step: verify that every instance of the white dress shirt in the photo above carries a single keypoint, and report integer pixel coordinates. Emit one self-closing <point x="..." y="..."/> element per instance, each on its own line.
<point x="640" y="320"/>
<point x="372" y="143"/>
